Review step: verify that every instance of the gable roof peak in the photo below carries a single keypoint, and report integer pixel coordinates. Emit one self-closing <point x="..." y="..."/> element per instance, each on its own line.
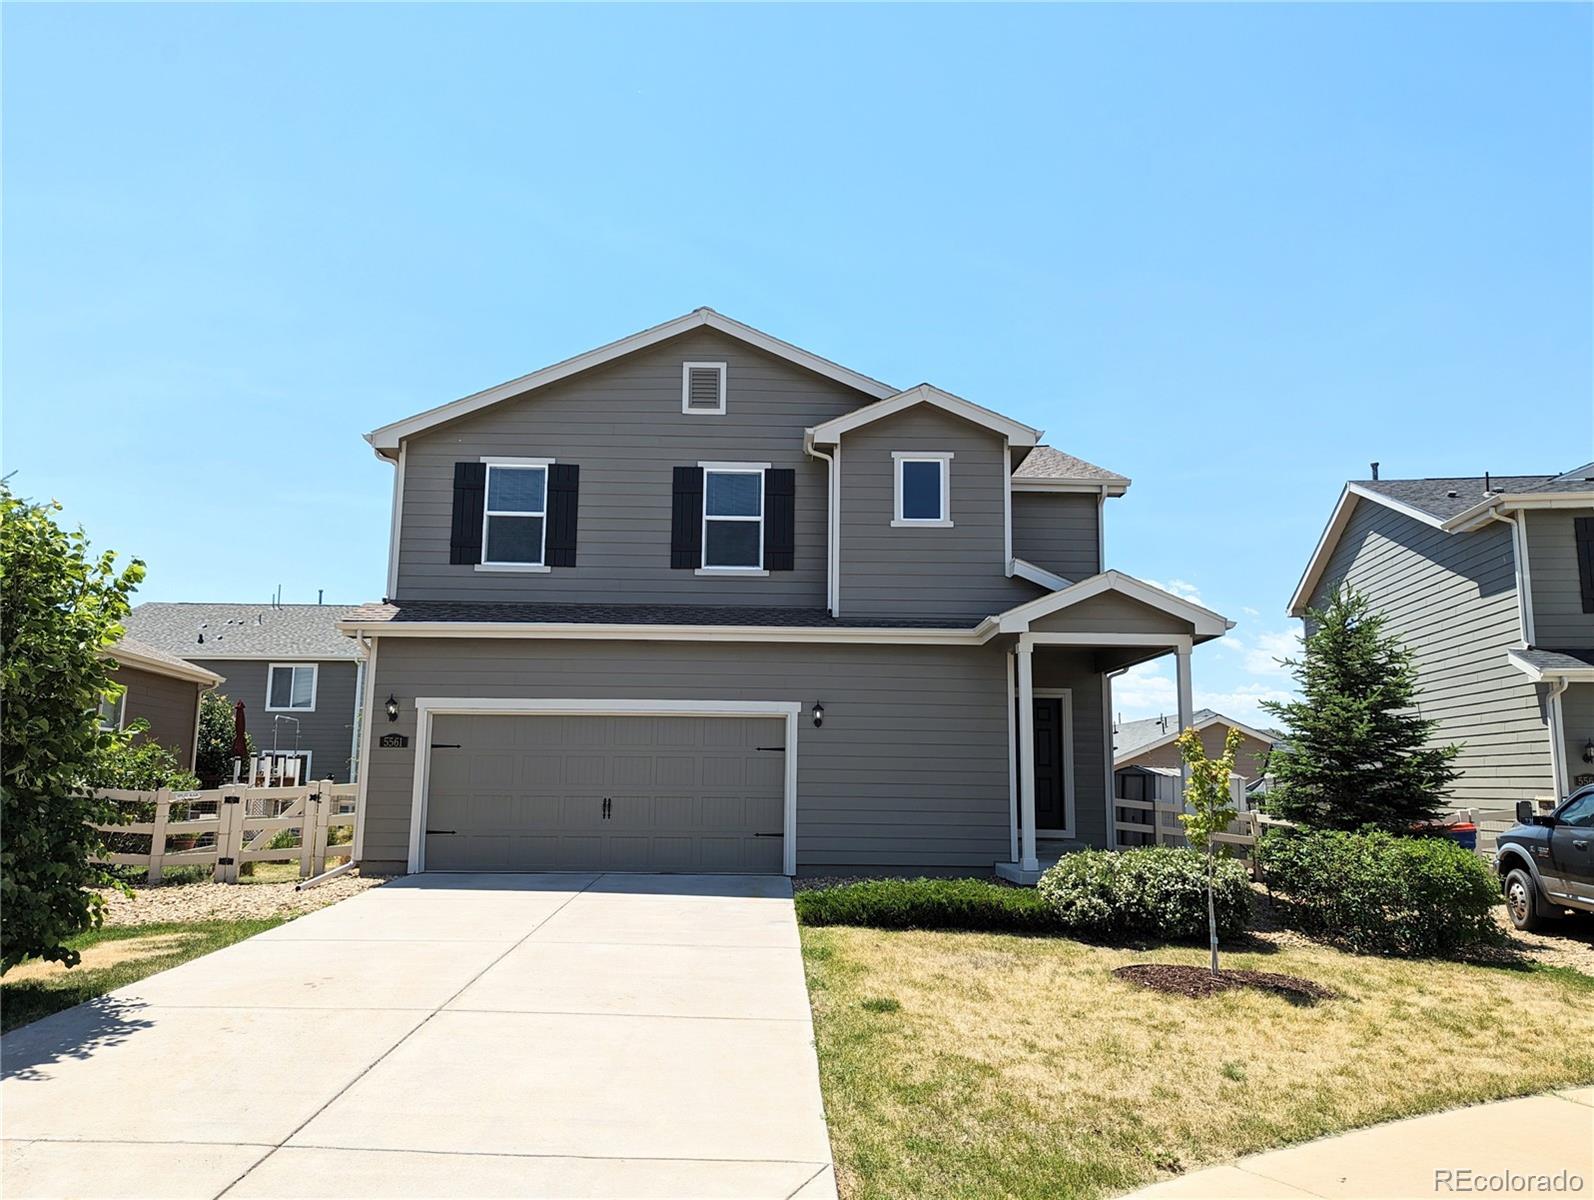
<point x="385" y="439"/>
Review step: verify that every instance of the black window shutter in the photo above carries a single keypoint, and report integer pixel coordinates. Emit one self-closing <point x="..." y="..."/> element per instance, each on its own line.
<point x="780" y="519"/>
<point x="686" y="519"/>
<point x="1584" y="527"/>
<point x="564" y="498"/>
<point x="470" y="498"/>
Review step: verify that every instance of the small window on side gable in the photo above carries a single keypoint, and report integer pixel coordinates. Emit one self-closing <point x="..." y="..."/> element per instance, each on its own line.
<point x="703" y="388"/>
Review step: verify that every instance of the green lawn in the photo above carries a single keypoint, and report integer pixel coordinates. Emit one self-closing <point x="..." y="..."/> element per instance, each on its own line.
<point x="974" y="1065"/>
<point x="112" y="958"/>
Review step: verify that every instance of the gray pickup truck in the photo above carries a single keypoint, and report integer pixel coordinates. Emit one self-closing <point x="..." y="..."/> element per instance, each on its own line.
<point x="1545" y="863"/>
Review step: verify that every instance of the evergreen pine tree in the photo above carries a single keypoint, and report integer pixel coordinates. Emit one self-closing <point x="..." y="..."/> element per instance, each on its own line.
<point x="1357" y="751"/>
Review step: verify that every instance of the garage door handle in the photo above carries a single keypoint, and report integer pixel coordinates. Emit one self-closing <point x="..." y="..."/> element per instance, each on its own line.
<point x="446" y="746"/>
<point x="769" y="835"/>
<point x="440" y="831"/>
<point x="777" y="749"/>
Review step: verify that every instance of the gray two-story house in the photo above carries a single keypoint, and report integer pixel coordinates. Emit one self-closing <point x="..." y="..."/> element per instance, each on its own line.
<point x="299" y="679"/>
<point x="700" y="600"/>
<point x="1489" y="580"/>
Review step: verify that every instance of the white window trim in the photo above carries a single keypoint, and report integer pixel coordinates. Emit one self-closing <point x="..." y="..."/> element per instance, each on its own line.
<point x="121" y="715"/>
<point x="541" y="565"/>
<point x="686" y="389"/>
<point x="944" y="461"/>
<point x="426" y="707"/>
<point x="1066" y="695"/>
<point x="315" y="683"/>
<point x="731" y="468"/>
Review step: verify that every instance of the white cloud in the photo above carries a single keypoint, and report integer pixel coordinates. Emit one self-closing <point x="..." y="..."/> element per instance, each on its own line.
<point x="1249" y="611"/>
<point x="1144" y="691"/>
<point x="1179" y="587"/>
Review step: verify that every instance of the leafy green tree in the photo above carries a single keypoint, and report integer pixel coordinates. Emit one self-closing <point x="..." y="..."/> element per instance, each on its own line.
<point x="1210" y="799"/>
<point x="59" y="609"/>
<point x="213" y="762"/>
<point x="1357" y="751"/>
<point x="139" y="764"/>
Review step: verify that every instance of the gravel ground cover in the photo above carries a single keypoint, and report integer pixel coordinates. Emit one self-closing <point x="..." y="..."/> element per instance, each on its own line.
<point x="162" y="904"/>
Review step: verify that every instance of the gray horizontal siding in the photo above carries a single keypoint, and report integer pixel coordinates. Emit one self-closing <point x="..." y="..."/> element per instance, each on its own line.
<point x="1559" y="621"/>
<point x="925" y="572"/>
<point x="1059" y="532"/>
<point x="622" y="424"/>
<point x="326" y="732"/>
<point x="169" y="705"/>
<point x="1451" y="598"/>
<point x="909" y="770"/>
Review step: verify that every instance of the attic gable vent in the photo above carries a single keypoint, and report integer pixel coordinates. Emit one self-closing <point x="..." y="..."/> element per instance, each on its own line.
<point x="703" y="387"/>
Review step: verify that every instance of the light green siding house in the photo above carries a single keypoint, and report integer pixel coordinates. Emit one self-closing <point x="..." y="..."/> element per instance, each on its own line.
<point x="1490" y="581"/>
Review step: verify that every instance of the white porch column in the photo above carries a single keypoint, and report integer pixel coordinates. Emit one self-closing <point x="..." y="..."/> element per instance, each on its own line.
<point x="1026" y="755"/>
<point x="1186" y="707"/>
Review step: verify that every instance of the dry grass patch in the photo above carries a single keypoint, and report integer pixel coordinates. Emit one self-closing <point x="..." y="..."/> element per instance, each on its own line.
<point x="1019" y="1066"/>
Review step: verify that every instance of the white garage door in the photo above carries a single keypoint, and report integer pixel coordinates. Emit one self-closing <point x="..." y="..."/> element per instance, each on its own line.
<point x="614" y="793"/>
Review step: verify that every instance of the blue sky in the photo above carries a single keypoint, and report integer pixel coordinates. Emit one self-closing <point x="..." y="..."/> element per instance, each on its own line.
<point x="1232" y="252"/>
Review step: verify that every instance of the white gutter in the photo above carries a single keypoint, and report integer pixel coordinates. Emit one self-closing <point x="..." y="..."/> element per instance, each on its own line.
<point x="832" y="521"/>
<point x="1557" y="725"/>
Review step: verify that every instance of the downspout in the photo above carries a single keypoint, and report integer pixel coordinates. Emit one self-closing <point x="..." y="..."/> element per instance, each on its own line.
<point x="1558" y="766"/>
<point x="1524" y="577"/>
<point x="832" y="536"/>
<point x="362" y="769"/>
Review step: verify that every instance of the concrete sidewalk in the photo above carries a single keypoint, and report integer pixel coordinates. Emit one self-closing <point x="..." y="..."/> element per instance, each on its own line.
<point x="446" y="1035"/>
<point x="1519" y="1140"/>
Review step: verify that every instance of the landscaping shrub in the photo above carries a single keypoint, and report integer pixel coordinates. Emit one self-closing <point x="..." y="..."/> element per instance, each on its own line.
<point x="1383" y="894"/>
<point x="972" y="904"/>
<point x="1154" y="891"/>
<point x="1157" y="891"/>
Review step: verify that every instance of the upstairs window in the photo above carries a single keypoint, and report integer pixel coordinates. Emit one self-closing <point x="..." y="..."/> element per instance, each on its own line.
<point x="703" y="388"/>
<point x="515" y="517"/>
<point x="290" y="687"/>
<point x="733" y="518"/>
<point x="922" y="492"/>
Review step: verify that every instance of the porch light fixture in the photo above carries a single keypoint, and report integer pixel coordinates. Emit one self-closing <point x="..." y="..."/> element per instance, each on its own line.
<point x="392" y="707"/>
<point x="819" y="719"/>
<point x="1588" y="751"/>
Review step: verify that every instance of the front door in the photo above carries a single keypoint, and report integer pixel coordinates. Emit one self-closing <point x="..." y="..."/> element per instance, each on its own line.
<point x="1050" y="794"/>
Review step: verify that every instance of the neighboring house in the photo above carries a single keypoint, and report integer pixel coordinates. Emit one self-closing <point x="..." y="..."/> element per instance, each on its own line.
<point x="1151" y="742"/>
<point x="699" y="600"/>
<point x="1489" y="580"/>
<point x="160" y="689"/>
<point x="299" y="679"/>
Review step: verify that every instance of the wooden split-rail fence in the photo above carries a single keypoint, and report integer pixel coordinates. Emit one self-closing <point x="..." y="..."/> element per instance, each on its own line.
<point x="226" y="827"/>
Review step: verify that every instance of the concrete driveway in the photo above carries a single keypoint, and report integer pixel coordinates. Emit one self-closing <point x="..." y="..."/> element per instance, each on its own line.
<point x="446" y="1035"/>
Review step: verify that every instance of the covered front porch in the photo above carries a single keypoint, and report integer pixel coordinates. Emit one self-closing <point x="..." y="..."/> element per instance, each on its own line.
<point x="1063" y="652"/>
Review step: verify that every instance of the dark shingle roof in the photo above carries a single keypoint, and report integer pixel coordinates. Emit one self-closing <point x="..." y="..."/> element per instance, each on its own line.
<point x="1130" y="736"/>
<point x="1445" y="497"/>
<point x="230" y="630"/>
<point x="126" y="647"/>
<point x="1552" y="661"/>
<point x="631" y="614"/>
<point x="1047" y="462"/>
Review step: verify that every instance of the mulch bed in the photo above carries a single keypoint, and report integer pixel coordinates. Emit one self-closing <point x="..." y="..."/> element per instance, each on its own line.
<point x="1199" y="981"/>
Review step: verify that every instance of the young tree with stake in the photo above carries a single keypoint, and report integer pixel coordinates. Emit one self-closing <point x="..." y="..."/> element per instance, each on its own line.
<point x="1208" y="796"/>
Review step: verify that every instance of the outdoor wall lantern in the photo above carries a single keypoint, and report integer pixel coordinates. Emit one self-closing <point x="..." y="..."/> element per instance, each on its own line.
<point x="392" y="707"/>
<point x="819" y="718"/>
<point x="1588" y="751"/>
